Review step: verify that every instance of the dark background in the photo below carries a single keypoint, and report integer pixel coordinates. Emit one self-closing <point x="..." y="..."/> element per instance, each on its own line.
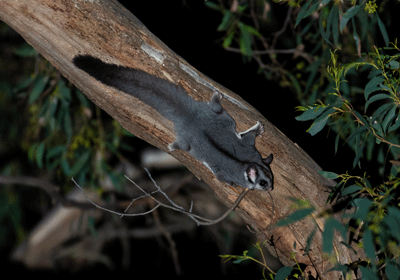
<point x="189" y="29"/>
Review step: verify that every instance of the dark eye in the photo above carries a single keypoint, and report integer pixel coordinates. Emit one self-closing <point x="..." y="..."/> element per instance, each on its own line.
<point x="262" y="183"/>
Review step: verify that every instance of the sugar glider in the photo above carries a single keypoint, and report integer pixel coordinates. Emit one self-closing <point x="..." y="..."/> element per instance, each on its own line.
<point x="203" y="129"/>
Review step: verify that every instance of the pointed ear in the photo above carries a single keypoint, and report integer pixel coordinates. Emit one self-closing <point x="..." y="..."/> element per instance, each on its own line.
<point x="269" y="159"/>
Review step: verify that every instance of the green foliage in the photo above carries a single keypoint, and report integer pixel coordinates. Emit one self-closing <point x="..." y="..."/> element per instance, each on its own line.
<point x="236" y="29"/>
<point x="283" y="273"/>
<point x="356" y="96"/>
<point x="335" y="16"/>
<point x="373" y="211"/>
<point x="361" y="125"/>
<point x="50" y="127"/>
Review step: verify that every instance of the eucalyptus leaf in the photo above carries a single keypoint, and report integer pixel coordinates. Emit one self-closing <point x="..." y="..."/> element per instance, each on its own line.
<point x="362" y="119"/>
<point x="303" y="12"/>
<point x="38" y="86"/>
<point x="382" y="28"/>
<point x="328" y="175"/>
<point x="372" y="86"/>
<point x="310" y="114"/>
<point x="368" y="274"/>
<point x="40" y="154"/>
<point x="283" y="273"/>
<point x="226" y="21"/>
<point x="245" y="41"/>
<point x="331" y="224"/>
<point x="26" y="50"/>
<point x="362" y="210"/>
<point x="296" y="216"/>
<point x="351" y="190"/>
<point x="351" y="12"/>
<point x="250" y="29"/>
<point x="369" y="247"/>
<point x="228" y="39"/>
<point x="392" y="271"/>
<point x="325" y="35"/>
<point x="80" y="163"/>
<point x="396" y="124"/>
<point x="317" y="126"/>
<point x="381" y="111"/>
<point x="375" y="98"/>
<point x="389" y="118"/>
<point x="335" y="25"/>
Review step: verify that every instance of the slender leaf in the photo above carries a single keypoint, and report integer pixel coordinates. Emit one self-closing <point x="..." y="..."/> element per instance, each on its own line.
<point x="335" y="25"/>
<point x="328" y="175"/>
<point x="362" y="210"/>
<point x="212" y="5"/>
<point x="368" y="274"/>
<point x="283" y="273"/>
<point x="356" y="37"/>
<point x="310" y="114"/>
<point x="65" y="166"/>
<point x="362" y="119"/>
<point x="392" y="271"/>
<point x="396" y="124"/>
<point x="295" y="84"/>
<point x="369" y="247"/>
<point x="26" y="50"/>
<point x="372" y="86"/>
<point x="375" y="98"/>
<point x="335" y="192"/>
<point x="337" y="142"/>
<point x="303" y="12"/>
<point x="389" y="118"/>
<point x="296" y="216"/>
<point x="40" y="154"/>
<point x="325" y="35"/>
<point x="393" y="65"/>
<point x="245" y="41"/>
<point x="228" y="40"/>
<point x="80" y="163"/>
<point x="353" y="65"/>
<point x="381" y="111"/>
<point x="331" y="224"/>
<point x="351" y="190"/>
<point x="226" y="21"/>
<point x="317" y="126"/>
<point x="392" y="220"/>
<point x="250" y="29"/>
<point x="382" y="28"/>
<point x="309" y="240"/>
<point x="38" y="86"/>
<point x="348" y="15"/>
<point x="65" y="92"/>
<point x="321" y="121"/>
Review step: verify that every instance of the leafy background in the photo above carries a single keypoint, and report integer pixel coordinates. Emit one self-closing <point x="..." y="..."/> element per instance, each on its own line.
<point x="335" y="65"/>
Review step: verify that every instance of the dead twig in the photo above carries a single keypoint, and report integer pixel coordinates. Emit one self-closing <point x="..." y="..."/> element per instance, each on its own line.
<point x="198" y="219"/>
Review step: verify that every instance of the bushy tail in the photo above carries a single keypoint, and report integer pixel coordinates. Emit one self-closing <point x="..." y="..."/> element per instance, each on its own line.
<point x="165" y="97"/>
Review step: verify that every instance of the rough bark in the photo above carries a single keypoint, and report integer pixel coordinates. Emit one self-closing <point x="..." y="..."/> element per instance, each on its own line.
<point x="60" y="30"/>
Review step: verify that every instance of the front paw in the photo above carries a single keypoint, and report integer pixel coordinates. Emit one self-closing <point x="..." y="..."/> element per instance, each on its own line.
<point x="260" y="129"/>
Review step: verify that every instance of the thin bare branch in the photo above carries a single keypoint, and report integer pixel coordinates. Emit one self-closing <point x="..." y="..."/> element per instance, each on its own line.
<point x="198" y="219"/>
<point x="111" y="211"/>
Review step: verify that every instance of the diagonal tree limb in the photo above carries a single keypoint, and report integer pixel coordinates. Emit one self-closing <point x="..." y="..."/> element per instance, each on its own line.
<point x="60" y="30"/>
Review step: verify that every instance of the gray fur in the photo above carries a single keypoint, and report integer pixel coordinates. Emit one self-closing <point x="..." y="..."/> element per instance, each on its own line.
<point x="203" y="129"/>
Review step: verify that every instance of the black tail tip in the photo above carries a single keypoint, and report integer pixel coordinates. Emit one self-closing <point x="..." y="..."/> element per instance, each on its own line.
<point x="85" y="62"/>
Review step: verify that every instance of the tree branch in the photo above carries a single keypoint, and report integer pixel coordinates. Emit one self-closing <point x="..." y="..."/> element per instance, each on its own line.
<point x="200" y="221"/>
<point x="60" y="30"/>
